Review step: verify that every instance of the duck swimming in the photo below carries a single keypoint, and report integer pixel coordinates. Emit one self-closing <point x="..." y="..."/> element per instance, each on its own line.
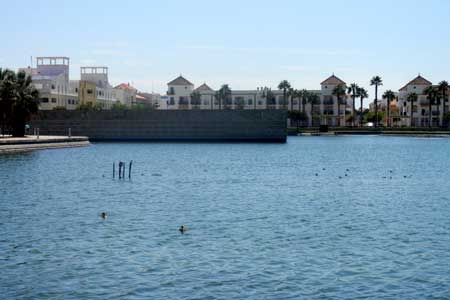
<point x="182" y="229"/>
<point x="103" y="215"/>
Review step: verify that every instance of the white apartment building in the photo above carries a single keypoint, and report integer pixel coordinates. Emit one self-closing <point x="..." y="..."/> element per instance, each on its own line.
<point x="420" y="108"/>
<point x="51" y="78"/>
<point x="326" y="111"/>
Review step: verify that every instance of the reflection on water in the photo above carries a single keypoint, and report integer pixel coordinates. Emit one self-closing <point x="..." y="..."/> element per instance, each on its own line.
<point x="265" y="221"/>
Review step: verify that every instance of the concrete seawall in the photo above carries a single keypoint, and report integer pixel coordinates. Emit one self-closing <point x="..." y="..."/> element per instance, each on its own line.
<point x="187" y="125"/>
<point x="30" y="143"/>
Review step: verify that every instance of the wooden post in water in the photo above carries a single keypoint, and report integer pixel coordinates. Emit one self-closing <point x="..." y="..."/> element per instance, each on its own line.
<point x="114" y="170"/>
<point x="129" y="170"/>
<point x="120" y="169"/>
<point x="124" y="167"/>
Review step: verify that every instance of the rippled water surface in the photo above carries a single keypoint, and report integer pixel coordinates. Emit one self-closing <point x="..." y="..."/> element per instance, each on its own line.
<point x="267" y="221"/>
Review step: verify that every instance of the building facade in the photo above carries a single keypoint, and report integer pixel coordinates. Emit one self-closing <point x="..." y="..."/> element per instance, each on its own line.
<point x="325" y="110"/>
<point x="57" y="91"/>
<point x="417" y="113"/>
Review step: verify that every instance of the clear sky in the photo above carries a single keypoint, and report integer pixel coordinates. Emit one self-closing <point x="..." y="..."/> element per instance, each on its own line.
<point x="243" y="43"/>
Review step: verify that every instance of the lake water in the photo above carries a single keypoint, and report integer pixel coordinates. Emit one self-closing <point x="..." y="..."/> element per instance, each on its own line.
<point x="262" y="224"/>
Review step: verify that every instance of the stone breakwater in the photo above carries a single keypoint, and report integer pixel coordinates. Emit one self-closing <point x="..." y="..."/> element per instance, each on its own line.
<point x="30" y="143"/>
<point x="187" y="125"/>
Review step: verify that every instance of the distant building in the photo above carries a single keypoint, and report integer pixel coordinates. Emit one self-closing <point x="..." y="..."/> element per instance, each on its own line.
<point x="51" y="79"/>
<point x="125" y="94"/>
<point x="420" y="109"/>
<point x="326" y="110"/>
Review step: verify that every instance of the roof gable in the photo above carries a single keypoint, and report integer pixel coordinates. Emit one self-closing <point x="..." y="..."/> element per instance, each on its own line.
<point x="419" y="80"/>
<point x="180" y="80"/>
<point x="333" y="80"/>
<point x="204" y="88"/>
<point x="125" y="86"/>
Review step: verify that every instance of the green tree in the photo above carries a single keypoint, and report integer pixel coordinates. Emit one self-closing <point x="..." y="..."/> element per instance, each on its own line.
<point x="196" y="99"/>
<point x="297" y="117"/>
<point x="411" y="98"/>
<point x="303" y="97"/>
<point x="432" y="94"/>
<point x="25" y="104"/>
<point x="353" y="90"/>
<point x="362" y="94"/>
<point x="443" y="88"/>
<point x="119" y="106"/>
<point x="7" y="96"/>
<point x="376" y="81"/>
<point x="284" y="85"/>
<point x="89" y="106"/>
<point x="339" y="93"/>
<point x="389" y="96"/>
<point x="293" y="93"/>
<point x="313" y="100"/>
<point x="223" y="95"/>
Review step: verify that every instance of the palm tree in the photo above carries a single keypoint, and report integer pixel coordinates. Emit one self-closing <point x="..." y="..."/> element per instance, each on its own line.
<point x="353" y="91"/>
<point x="411" y="98"/>
<point x="362" y="94"/>
<point x="339" y="92"/>
<point x="293" y="93"/>
<point x="285" y="86"/>
<point x="443" y="88"/>
<point x="26" y="103"/>
<point x="376" y="81"/>
<point x="389" y="96"/>
<point x="223" y="95"/>
<point x="313" y="99"/>
<point x="303" y="97"/>
<point x="196" y="99"/>
<point x="432" y="95"/>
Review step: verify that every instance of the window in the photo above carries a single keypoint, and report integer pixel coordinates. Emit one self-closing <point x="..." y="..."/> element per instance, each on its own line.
<point x="89" y="91"/>
<point x="250" y="101"/>
<point x="53" y="86"/>
<point x="76" y="90"/>
<point x="206" y="102"/>
<point x="172" y="101"/>
<point x="44" y="100"/>
<point x="53" y="100"/>
<point x="260" y="102"/>
<point x="171" y="91"/>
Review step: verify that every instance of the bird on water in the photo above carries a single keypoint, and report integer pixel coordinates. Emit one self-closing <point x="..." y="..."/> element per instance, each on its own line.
<point x="182" y="229"/>
<point x="103" y="215"/>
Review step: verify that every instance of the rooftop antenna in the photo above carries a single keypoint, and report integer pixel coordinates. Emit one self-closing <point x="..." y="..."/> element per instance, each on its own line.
<point x="152" y="88"/>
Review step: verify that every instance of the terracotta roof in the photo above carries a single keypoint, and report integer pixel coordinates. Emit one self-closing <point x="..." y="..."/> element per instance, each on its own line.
<point x="125" y="86"/>
<point x="140" y="97"/>
<point x="180" y="80"/>
<point x="333" y="80"/>
<point x="419" y="80"/>
<point x="204" y="88"/>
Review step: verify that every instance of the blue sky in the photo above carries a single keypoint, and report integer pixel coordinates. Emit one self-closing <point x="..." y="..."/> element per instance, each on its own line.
<point x="243" y="43"/>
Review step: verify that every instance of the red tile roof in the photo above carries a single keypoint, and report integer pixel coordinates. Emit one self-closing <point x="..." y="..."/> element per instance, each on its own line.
<point x="125" y="86"/>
